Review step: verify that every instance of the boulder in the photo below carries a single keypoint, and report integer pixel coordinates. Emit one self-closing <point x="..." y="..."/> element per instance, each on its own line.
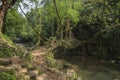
<point x="33" y="73"/>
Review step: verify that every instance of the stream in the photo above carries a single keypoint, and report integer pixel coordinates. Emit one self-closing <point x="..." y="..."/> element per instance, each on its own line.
<point x="89" y="68"/>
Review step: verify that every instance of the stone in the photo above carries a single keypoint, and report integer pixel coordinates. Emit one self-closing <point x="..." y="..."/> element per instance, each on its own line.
<point x="5" y="61"/>
<point x="27" y="77"/>
<point x="2" y="66"/>
<point x="71" y="74"/>
<point x="8" y="69"/>
<point x="79" y="78"/>
<point x="16" y="67"/>
<point x="15" y="59"/>
<point x="33" y="73"/>
<point x="42" y="77"/>
<point x="23" y="70"/>
<point x="19" y="76"/>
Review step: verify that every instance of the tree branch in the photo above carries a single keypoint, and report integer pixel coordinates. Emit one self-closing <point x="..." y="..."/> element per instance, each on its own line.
<point x="57" y="12"/>
<point x="31" y="24"/>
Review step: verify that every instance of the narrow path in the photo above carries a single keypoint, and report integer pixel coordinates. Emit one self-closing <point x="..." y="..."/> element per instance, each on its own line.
<point x="39" y="60"/>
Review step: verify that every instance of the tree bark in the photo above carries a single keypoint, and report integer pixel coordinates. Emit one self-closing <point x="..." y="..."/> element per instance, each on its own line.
<point x="2" y="13"/>
<point x="3" y="10"/>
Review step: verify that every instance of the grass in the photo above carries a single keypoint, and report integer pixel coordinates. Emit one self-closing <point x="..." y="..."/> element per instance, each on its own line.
<point x="6" y="76"/>
<point x="7" y="39"/>
<point x="7" y="47"/>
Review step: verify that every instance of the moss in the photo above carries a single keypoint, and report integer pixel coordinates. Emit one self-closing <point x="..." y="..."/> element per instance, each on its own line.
<point x="6" y="76"/>
<point x="7" y="47"/>
<point x="28" y="57"/>
<point x="29" y="66"/>
<point x="6" y="52"/>
<point x="52" y="62"/>
<point x="5" y="38"/>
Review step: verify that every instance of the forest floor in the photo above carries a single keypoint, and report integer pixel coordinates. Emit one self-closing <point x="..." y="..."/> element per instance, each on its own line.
<point x="39" y="60"/>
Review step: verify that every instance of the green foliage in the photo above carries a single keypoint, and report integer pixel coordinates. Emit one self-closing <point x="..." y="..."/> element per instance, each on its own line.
<point x="28" y="57"/>
<point x="6" y="76"/>
<point x="89" y="21"/>
<point x="6" y="52"/>
<point x="51" y="62"/>
<point x="73" y="15"/>
<point x="13" y="23"/>
<point x="7" y="47"/>
<point x="16" y="25"/>
<point x="29" y="66"/>
<point x="6" y="38"/>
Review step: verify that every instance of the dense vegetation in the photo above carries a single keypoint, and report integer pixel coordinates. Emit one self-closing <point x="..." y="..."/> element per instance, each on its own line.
<point x="68" y="27"/>
<point x="93" y="24"/>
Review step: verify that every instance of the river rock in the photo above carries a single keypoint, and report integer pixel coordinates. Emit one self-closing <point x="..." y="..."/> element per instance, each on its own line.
<point x="71" y="74"/>
<point x="42" y="77"/>
<point x="2" y="66"/>
<point x="15" y="59"/>
<point x="7" y="69"/>
<point x="23" y="71"/>
<point x="10" y="68"/>
<point x="16" y="67"/>
<point x="27" y="77"/>
<point x="20" y="76"/>
<point x="33" y="73"/>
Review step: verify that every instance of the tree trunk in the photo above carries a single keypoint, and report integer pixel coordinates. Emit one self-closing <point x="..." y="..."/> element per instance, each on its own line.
<point x="3" y="10"/>
<point x="2" y="14"/>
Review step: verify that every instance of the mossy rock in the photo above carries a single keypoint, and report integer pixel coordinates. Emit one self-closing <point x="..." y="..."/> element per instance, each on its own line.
<point x="9" y="52"/>
<point x="7" y="48"/>
<point x="6" y="52"/>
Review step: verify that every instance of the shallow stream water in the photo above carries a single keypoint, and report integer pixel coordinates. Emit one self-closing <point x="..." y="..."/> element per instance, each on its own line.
<point x="92" y="69"/>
